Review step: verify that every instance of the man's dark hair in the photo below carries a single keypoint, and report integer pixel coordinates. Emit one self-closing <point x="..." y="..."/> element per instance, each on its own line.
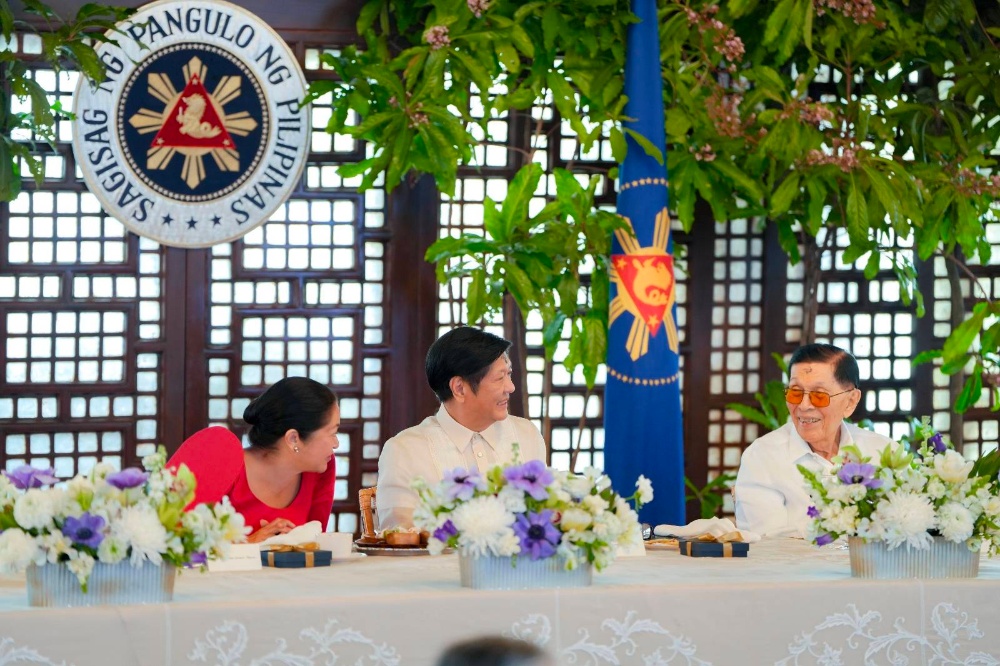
<point x="845" y="366"/>
<point x="464" y="352"/>
<point x="493" y="651"/>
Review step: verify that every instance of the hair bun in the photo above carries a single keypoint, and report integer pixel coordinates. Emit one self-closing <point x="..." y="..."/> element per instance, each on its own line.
<point x="250" y="414"/>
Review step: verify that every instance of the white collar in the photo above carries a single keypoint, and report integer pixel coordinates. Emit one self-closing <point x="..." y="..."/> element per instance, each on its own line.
<point x="460" y="436"/>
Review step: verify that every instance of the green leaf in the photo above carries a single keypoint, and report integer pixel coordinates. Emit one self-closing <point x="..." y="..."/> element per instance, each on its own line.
<point x="520" y="191"/>
<point x="883" y="190"/>
<point x="926" y="356"/>
<point x="646" y="145"/>
<point x="595" y="347"/>
<point x="10" y="176"/>
<point x="369" y="12"/>
<point x="958" y="343"/>
<point x="475" y="300"/>
<point x="776" y="20"/>
<point x="479" y="75"/>
<point x="519" y="286"/>
<point x="782" y="198"/>
<point x="522" y="41"/>
<point x="971" y="391"/>
<point x="619" y="146"/>
<point x="553" y="334"/>
<point x="857" y="215"/>
<point x="743" y="182"/>
<point x="6" y="23"/>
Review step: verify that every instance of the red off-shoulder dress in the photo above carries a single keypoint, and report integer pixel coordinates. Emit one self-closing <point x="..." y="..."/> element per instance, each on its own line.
<point x="215" y="457"/>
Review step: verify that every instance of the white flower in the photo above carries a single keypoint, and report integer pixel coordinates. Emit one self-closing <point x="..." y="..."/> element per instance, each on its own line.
<point x="483" y="523"/>
<point x="645" y="489"/>
<point x="952" y="467"/>
<point x="140" y="527"/>
<point x="936" y="488"/>
<point x="81" y="565"/>
<point x="513" y="499"/>
<point x="905" y="518"/>
<point x="435" y="546"/>
<point x="112" y="550"/>
<point x="839" y="519"/>
<point x="911" y="480"/>
<point x="597" y="478"/>
<point x="578" y="486"/>
<point x="594" y="504"/>
<point x="17" y="550"/>
<point x="8" y="492"/>
<point x="569" y="553"/>
<point x="33" y="509"/>
<point x="56" y="546"/>
<point x="575" y="519"/>
<point x="839" y="493"/>
<point x="955" y="522"/>
<point x="992" y="507"/>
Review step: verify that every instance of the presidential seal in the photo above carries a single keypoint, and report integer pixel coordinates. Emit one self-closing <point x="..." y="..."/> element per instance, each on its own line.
<point x="196" y="134"/>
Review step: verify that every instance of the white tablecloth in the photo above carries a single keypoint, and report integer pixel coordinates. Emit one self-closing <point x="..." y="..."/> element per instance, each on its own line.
<point x="788" y="603"/>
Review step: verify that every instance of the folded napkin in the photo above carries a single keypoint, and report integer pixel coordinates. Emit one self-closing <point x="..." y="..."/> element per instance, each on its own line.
<point x="708" y="529"/>
<point x="302" y="534"/>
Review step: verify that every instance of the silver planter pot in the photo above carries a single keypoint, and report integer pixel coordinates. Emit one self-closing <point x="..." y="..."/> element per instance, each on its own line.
<point x="944" y="559"/>
<point x="502" y="573"/>
<point x="108" y="585"/>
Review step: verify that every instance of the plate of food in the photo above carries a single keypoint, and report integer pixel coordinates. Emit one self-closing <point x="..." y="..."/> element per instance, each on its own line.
<point x="394" y="543"/>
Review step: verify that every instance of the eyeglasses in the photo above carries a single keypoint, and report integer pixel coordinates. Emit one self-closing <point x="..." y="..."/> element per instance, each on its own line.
<point x="817" y="398"/>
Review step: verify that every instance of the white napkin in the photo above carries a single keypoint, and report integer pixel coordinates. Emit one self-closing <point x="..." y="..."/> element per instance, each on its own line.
<point x="714" y="526"/>
<point x="299" y="535"/>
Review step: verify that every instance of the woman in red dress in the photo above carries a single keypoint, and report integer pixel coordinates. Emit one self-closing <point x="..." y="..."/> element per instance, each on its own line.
<point x="285" y="477"/>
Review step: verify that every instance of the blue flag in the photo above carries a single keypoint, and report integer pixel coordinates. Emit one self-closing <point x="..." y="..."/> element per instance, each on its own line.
<point x="643" y="433"/>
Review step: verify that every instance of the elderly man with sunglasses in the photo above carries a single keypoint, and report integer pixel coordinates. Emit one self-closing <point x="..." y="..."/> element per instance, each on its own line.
<point x="770" y="493"/>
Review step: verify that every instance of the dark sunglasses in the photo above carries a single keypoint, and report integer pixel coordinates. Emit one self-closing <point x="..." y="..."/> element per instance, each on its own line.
<point x="817" y="398"/>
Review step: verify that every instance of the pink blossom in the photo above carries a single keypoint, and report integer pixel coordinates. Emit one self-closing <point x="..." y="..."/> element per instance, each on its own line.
<point x="477" y="7"/>
<point x="859" y="11"/>
<point x="437" y="37"/>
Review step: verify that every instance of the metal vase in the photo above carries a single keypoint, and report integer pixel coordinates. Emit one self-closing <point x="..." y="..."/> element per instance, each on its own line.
<point x="944" y="559"/>
<point x="503" y="573"/>
<point x="108" y="585"/>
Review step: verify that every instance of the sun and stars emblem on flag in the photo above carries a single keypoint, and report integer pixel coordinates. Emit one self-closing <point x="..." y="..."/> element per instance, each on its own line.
<point x="645" y="280"/>
<point x="193" y="123"/>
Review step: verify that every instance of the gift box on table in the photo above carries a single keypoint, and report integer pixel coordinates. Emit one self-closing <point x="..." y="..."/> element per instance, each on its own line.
<point x="296" y="557"/>
<point x="698" y="548"/>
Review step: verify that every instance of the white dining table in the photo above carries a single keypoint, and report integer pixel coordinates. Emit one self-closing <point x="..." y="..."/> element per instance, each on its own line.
<point x="787" y="603"/>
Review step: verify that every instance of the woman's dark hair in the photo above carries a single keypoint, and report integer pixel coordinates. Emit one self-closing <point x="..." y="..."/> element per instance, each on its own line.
<point x="293" y="403"/>
<point x="845" y="366"/>
<point x="492" y="651"/>
<point x="464" y="352"/>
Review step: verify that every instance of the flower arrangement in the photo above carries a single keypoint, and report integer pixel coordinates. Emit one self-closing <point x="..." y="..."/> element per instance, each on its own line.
<point x="530" y="510"/>
<point x="908" y="497"/>
<point x="109" y="516"/>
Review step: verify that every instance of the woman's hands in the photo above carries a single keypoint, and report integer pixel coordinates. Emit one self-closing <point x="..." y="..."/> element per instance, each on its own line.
<point x="270" y="529"/>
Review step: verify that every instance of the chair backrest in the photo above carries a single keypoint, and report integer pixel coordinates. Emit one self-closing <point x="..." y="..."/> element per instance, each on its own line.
<point x="369" y="512"/>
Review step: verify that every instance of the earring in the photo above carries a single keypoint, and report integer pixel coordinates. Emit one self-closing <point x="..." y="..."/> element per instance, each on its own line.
<point x="295" y="448"/>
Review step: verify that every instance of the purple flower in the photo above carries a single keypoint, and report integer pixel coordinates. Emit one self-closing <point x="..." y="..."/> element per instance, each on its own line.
<point x="531" y="477"/>
<point x="812" y="512"/>
<point x="937" y="441"/>
<point x="824" y="540"/>
<point x="446" y="531"/>
<point x="85" y="530"/>
<point x="127" y="478"/>
<point x="862" y="473"/>
<point x="465" y="483"/>
<point x="197" y="559"/>
<point x="26" y="476"/>
<point x="539" y="537"/>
